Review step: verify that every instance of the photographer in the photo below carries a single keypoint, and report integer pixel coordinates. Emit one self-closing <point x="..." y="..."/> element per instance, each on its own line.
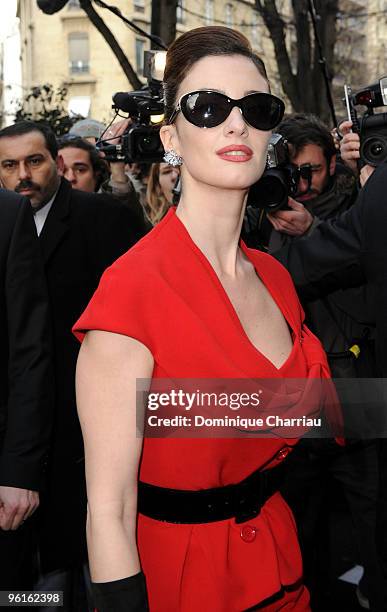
<point x="341" y="253"/>
<point x="320" y="187"/>
<point x="324" y="188"/>
<point x="339" y="322"/>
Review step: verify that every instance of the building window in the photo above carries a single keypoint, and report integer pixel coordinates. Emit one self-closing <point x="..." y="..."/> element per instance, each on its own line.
<point x="79" y="53"/>
<point x="180" y="11"/>
<point x="140" y="47"/>
<point x="229" y="15"/>
<point x="139" y="5"/>
<point x="209" y="12"/>
<point x="73" y="4"/>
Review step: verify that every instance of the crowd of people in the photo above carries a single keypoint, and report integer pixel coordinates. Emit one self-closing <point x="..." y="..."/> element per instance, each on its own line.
<point x="90" y="506"/>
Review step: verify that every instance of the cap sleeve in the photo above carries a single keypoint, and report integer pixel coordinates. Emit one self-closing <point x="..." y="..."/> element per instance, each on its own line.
<point x="119" y="305"/>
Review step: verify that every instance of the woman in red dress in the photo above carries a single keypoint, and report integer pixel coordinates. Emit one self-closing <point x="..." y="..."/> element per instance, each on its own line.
<point x="195" y="524"/>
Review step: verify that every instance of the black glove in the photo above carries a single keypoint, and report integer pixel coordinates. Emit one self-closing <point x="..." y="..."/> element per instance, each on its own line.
<point x="126" y="595"/>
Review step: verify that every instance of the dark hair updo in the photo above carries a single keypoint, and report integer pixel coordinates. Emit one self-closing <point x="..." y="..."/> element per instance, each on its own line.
<point x="195" y="44"/>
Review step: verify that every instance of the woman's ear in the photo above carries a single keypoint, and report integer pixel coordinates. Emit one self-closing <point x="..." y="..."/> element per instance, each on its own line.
<point x="169" y="138"/>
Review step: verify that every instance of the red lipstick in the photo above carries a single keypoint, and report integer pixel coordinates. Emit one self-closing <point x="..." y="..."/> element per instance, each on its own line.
<point x="235" y="153"/>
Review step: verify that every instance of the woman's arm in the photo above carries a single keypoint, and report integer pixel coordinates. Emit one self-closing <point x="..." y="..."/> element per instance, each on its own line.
<point x="108" y="366"/>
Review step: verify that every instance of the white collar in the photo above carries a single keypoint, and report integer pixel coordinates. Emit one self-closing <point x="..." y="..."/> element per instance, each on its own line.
<point x="40" y="215"/>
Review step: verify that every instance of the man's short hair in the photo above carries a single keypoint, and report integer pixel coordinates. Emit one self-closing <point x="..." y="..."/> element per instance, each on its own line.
<point x="26" y="127"/>
<point x="99" y="165"/>
<point x="302" y="129"/>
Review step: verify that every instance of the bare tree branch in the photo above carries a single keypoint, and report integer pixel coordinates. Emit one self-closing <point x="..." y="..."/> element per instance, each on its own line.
<point x="277" y="27"/>
<point x="103" y="29"/>
<point x="305" y="86"/>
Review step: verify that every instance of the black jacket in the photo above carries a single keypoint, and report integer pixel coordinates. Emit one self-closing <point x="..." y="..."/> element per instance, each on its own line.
<point x="83" y="234"/>
<point x="26" y="408"/>
<point x="342" y="253"/>
<point x="346" y="252"/>
<point x="341" y="318"/>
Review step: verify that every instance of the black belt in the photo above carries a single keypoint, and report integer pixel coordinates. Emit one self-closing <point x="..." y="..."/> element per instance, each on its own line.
<point x="241" y="501"/>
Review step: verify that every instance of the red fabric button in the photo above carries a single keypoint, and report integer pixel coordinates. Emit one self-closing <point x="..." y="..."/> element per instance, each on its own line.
<point x="248" y="533"/>
<point x="280" y="456"/>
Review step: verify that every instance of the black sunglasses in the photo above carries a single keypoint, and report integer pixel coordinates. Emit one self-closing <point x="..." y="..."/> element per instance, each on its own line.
<point x="207" y="109"/>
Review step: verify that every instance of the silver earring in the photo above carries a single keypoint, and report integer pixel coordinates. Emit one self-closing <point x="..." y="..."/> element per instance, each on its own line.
<point x="172" y="158"/>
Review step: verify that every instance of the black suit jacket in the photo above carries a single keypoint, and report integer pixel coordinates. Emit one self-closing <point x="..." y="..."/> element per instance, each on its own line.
<point x="346" y="252"/>
<point x="25" y="398"/>
<point x="82" y="235"/>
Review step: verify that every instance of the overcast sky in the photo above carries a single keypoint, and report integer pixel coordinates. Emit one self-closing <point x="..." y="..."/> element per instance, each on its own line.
<point x="8" y="12"/>
<point x="12" y="69"/>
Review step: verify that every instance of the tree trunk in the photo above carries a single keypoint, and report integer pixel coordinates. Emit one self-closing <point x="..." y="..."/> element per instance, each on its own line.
<point x="156" y="22"/>
<point x="276" y="26"/>
<point x="164" y="20"/>
<point x="326" y="26"/>
<point x="306" y="87"/>
<point x="109" y="37"/>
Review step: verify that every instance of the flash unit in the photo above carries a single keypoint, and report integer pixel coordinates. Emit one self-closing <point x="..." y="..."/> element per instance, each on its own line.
<point x="383" y="89"/>
<point x="154" y="64"/>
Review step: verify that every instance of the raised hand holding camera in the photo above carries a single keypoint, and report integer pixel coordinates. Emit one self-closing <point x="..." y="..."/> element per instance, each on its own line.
<point x="370" y="130"/>
<point x="349" y="146"/>
<point x="295" y="222"/>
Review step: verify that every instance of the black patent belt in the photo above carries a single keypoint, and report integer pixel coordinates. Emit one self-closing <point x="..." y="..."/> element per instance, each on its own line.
<point x="241" y="501"/>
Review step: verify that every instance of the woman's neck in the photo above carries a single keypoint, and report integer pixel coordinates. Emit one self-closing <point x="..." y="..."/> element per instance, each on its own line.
<point x="213" y="218"/>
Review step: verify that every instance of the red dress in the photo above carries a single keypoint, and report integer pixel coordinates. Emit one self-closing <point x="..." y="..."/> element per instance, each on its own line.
<point x="164" y="293"/>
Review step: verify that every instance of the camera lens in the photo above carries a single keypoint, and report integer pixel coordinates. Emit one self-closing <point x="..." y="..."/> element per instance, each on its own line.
<point x="374" y="150"/>
<point x="270" y="192"/>
<point x="149" y="143"/>
<point x="144" y="145"/>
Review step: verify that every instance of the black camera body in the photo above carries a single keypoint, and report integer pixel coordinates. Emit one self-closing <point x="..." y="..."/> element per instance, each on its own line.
<point x="371" y="127"/>
<point x="278" y="182"/>
<point x="141" y="142"/>
<point x="373" y="139"/>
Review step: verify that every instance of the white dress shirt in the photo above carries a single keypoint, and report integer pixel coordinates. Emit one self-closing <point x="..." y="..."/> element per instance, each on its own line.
<point x="41" y="215"/>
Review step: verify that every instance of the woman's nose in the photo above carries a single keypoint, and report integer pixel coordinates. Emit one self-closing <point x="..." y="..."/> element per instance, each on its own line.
<point x="235" y="123"/>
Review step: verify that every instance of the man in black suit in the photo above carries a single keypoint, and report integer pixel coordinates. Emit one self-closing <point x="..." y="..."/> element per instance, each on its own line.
<point x="81" y="234"/>
<point x="344" y="252"/>
<point x="25" y="401"/>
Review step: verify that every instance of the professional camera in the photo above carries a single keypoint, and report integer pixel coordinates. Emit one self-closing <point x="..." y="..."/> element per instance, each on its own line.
<point x="141" y="142"/>
<point x="279" y="181"/>
<point x="371" y="127"/>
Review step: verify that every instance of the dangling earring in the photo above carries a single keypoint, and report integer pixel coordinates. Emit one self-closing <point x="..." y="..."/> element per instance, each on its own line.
<point x="172" y="158"/>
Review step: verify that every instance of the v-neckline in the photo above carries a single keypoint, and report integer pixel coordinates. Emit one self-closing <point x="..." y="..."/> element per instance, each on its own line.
<point x="228" y="303"/>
